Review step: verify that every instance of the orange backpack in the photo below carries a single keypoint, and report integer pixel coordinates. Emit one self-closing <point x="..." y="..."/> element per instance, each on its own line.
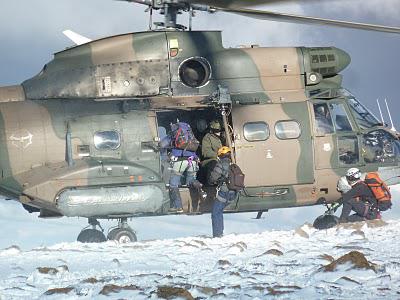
<point x="378" y="187"/>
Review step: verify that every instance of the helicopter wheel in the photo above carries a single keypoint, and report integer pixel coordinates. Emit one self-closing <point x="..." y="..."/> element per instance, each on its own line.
<point x="122" y="235"/>
<point x="91" y="236"/>
<point x="325" y="222"/>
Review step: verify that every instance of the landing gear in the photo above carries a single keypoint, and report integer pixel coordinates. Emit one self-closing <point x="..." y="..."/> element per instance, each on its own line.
<point x="328" y="219"/>
<point x="123" y="233"/>
<point x="92" y="235"/>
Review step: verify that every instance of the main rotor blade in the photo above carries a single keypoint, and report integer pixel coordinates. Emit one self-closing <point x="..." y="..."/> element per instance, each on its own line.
<point x="225" y="3"/>
<point x="280" y="17"/>
<point x="236" y="3"/>
<point x="145" y="2"/>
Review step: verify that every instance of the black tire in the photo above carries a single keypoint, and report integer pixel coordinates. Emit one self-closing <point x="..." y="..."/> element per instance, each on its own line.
<point x="122" y="235"/>
<point x="325" y="222"/>
<point x="91" y="236"/>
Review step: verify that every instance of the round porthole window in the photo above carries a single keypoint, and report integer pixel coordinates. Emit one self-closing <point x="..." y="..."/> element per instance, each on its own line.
<point x="195" y="72"/>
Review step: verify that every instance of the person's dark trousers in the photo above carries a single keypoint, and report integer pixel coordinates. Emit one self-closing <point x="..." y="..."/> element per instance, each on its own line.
<point x="384" y="205"/>
<point x="217" y="218"/>
<point x="358" y="206"/>
<point x="175" y="197"/>
<point x="355" y="218"/>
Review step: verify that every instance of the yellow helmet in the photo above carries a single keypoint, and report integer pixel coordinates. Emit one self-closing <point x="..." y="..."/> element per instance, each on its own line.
<point x="223" y="150"/>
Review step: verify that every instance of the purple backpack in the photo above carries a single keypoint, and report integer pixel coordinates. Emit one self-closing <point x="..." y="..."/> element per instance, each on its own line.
<point x="183" y="137"/>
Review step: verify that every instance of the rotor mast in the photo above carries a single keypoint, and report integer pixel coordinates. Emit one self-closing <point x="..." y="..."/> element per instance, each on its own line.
<point x="170" y="16"/>
<point x="171" y="9"/>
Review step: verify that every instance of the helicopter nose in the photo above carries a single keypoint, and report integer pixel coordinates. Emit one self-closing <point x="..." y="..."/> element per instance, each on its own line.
<point x="12" y="93"/>
<point x="343" y="59"/>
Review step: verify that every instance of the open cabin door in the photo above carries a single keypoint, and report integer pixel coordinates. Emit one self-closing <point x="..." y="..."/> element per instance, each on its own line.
<point x="273" y="144"/>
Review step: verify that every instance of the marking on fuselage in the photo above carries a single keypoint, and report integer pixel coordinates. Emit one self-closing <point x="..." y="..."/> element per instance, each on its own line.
<point x="327" y="147"/>
<point x="22" y="139"/>
<point x="173" y="43"/>
<point x="269" y="154"/>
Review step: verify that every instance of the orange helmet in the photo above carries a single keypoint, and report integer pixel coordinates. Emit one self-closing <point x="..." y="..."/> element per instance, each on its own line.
<point x="223" y="150"/>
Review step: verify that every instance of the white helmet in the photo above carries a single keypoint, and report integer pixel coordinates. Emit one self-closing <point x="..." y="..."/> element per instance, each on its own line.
<point x="353" y="174"/>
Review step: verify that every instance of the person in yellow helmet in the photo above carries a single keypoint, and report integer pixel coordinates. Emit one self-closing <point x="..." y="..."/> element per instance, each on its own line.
<point x="219" y="177"/>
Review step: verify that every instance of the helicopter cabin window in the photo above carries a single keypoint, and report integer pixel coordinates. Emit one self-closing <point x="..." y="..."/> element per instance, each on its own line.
<point x="323" y="120"/>
<point x="195" y="72"/>
<point x="348" y="150"/>
<point x="286" y="130"/>
<point x="256" y="131"/>
<point x="107" y="140"/>
<point x="340" y="117"/>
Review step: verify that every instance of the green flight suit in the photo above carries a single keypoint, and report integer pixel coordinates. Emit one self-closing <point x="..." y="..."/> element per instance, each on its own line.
<point x="209" y="147"/>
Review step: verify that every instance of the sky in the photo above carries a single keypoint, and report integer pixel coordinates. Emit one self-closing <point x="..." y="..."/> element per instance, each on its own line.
<point x="31" y="31"/>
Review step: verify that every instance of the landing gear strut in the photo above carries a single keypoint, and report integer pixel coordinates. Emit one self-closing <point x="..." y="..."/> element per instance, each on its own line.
<point x="122" y="233"/>
<point x="92" y="235"/>
<point x="259" y="214"/>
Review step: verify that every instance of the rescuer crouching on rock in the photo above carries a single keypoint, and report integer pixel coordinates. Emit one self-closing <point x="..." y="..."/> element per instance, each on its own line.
<point x="359" y="198"/>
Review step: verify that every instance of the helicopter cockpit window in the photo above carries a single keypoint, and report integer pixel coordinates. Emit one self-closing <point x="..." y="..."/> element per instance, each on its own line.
<point x="364" y="118"/>
<point x="195" y="72"/>
<point x="348" y="150"/>
<point x="323" y="120"/>
<point x="340" y="117"/>
<point x="379" y="146"/>
<point x="256" y="131"/>
<point x="107" y="140"/>
<point x="286" y="130"/>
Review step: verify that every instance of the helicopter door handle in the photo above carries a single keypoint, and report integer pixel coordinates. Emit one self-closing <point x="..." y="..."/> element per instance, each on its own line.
<point x="150" y="146"/>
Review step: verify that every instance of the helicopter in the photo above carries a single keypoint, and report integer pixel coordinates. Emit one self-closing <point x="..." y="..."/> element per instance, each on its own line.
<point x="81" y="138"/>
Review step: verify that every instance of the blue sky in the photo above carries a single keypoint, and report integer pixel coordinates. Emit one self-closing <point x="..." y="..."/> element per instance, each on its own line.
<point x="30" y="31"/>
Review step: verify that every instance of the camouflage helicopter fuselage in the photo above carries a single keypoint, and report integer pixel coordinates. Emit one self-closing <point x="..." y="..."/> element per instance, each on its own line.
<point x="81" y="137"/>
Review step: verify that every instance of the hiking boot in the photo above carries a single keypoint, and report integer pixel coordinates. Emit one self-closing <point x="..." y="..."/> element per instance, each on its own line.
<point x="175" y="210"/>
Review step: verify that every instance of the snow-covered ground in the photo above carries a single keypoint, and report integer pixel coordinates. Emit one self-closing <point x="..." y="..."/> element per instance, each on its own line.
<point x="246" y="266"/>
<point x="272" y="256"/>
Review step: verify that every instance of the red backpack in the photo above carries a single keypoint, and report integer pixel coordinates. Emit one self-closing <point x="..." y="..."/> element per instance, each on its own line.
<point x="378" y="187"/>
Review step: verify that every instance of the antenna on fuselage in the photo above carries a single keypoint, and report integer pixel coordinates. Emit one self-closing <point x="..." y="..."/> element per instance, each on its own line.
<point x="380" y="112"/>
<point x="150" y="10"/>
<point x="390" y="117"/>
<point x="191" y="15"/>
